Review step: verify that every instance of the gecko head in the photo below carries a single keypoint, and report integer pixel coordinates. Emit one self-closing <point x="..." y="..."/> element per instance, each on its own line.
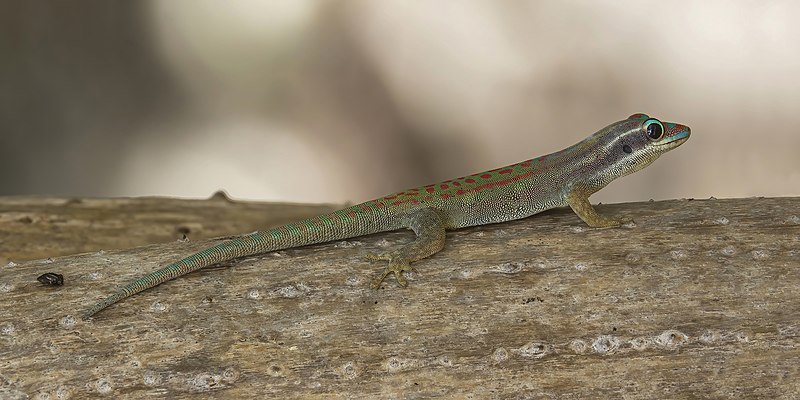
<point x="637" y="141"/>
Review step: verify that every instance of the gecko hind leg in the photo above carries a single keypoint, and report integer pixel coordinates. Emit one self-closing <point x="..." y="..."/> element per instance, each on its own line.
<point x="429" y="226"/>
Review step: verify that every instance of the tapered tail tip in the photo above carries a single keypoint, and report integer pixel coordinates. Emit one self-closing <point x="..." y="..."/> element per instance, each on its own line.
<point x="99" y="306"/>
<point x="87" y="314"/>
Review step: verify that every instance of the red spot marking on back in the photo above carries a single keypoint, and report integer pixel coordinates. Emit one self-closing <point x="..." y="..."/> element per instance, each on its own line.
<point x="394" y="196"/>
<point x="505" y="171"/>
<point x="486" y="176"/>
<point x="380" y="205"/>
<point x="351" y="214"/>
<point x="444" y="186"/>
<point x="399" y="202"/>
<point x="456" y="183"/>
<point x="504" y="181"/>
<point x="412" y="194"/>
<point x="526" y="164"/>
<point x="446" y="196"/>
<point x="366" y="207"/>
<point x="460" y="192"/>
<point x="428" y="198"/>
<point x="469" y="180"/>
<point x="430" y="190"/>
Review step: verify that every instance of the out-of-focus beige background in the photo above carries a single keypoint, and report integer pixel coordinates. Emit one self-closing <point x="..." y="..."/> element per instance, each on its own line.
<point x="332" y="101"/>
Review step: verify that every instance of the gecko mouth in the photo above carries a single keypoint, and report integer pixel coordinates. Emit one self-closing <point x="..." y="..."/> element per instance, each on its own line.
<point x="677" y="139"/>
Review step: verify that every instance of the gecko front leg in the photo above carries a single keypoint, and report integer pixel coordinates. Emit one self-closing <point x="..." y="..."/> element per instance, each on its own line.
<point x="429" y="225"/>
<point x="578" y="200"/>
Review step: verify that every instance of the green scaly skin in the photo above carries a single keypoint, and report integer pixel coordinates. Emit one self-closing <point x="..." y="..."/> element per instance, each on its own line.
<point x="564" y="178"/>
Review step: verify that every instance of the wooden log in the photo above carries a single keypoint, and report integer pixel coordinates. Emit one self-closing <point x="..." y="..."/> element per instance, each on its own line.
<point x="37" y="227"/>
<point x="698" y="299"/>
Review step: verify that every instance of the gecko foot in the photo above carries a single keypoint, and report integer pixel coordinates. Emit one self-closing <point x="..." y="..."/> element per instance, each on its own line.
<point x="622" y="221"/>
<point x="609" y="222"/>
<point x="397" y="266"/>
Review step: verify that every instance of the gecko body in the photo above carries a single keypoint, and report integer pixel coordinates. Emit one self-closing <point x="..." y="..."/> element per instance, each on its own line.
<point x="564" y="178"/>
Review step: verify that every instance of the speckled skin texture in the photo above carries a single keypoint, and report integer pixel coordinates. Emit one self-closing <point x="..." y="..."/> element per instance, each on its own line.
<point x="567" y="177"/>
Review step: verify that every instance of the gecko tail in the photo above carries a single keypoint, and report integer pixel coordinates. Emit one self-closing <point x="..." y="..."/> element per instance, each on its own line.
<point x="310" y="231"/>
<point x="99" y="306"/>
<point x="223" y="251"/>
<point x="152" y="279"/>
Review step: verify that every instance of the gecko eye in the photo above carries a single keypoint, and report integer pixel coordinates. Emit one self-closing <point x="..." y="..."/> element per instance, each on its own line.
<point x="654" y="129"/>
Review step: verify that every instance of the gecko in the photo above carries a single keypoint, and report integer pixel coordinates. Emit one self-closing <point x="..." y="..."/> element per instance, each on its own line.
<point x="564" y="178"/>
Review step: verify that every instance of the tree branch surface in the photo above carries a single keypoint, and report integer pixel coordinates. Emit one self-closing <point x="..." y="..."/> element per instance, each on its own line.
<point x="697" y="299"/>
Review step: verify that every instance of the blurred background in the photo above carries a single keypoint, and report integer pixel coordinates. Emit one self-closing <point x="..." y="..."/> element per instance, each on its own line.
<point x="343" y="101"/>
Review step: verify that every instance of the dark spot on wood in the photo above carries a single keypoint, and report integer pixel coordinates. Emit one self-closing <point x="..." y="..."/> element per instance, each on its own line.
<point x="532" y="300"/>
<point x="183" y="232"/>
<point x="51" y="279"/>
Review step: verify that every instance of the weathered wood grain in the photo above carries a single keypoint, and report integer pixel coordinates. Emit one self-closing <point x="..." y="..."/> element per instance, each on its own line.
<point x="37" y="227"/>
<point x="699" y="299"/>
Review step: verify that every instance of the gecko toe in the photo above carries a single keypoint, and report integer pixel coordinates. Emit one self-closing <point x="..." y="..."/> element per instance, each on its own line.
<point x="377" y="257"/>
<point x="397" y="266"/>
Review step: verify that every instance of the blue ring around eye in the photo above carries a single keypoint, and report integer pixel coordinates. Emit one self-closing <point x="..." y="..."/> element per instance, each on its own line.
<point x="656" y="132"/>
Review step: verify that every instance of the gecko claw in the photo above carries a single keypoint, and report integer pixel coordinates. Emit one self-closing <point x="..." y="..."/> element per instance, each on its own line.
<point x="396" y="266"/>
<point x="376" y="257"/>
